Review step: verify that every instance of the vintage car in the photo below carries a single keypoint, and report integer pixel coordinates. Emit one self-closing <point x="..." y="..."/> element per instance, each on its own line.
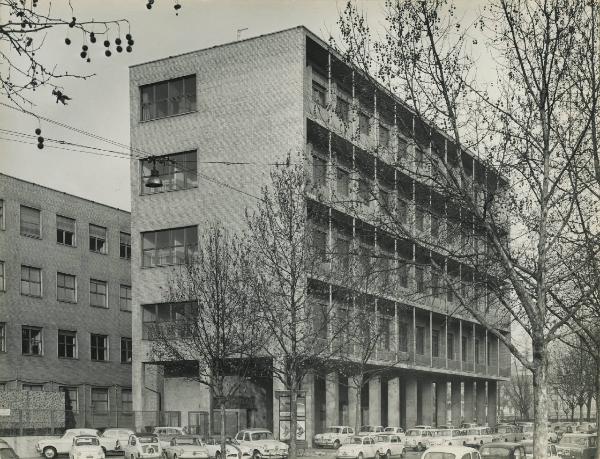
<point x="394" y="430"/>
<point x="166" y="434"/>
<point x="577" y="445"/>
<point x="261" y="443"/>
<point x="213" y="446"/>
<point x="6" y="451"/>
<point x="550" y="449"/>
<point x="451" y="452"/>
<point x="370" y="430"/>
<point x="86" y="447"/>
<point x="334" y="437"/>
<point x="185" y="447"/>
<point x="507" y="432"/>
<point x="477" y="436"/>
<point x="112" y="439"/>
<point x="142" y="445"/>
<point x="418" y="439"/>
<point x="502" y="450"/>
<point x="448" y="437"/>
<point x="468" y="425"/>
<point x="389" y="445"/>
<point x="359" y="448"/>
<point x="52" y="447"/>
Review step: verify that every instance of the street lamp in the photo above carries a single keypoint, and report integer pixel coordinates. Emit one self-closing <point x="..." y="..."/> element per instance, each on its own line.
<point x="154" y="181"/>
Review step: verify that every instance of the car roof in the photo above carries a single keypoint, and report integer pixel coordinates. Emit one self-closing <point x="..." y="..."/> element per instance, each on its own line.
<point x="255" y="429"/>
<point x="457" y="450"/>
<point x="86" y="436"/>
<point x="179" y="437"/>
<point x="144" y="434"/>
<point x="501" y="444"/>
<point x="83" y="431"/>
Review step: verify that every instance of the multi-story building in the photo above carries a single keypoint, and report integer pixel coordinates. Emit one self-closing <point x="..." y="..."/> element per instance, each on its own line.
<point x="251" y="103"/>
<point x="65" y="302"/>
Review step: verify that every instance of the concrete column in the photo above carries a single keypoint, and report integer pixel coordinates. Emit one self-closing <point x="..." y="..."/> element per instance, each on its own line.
<point x="481" y="399"/>
<point x="427" y="401"/>
<point x="352" y="402"/>
<point x="441" y="390"/>
<point x="393" y="413"/>
<point x="492" y="405"/>
<point x="139" y="382"/>
<point x="469" y="412"/>
<point x="411" y="401"/>
<point x="332" y="399"/>
<point x="455" y="399"/>
<point x="375" y="401"/>
<point x="308" y="384"/>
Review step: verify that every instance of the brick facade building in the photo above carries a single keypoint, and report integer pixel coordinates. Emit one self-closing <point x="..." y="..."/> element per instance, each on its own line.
<point x="65" y="301"/>
<point x="254" y="102"/>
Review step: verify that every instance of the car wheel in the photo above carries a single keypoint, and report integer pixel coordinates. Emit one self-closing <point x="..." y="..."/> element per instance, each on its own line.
<point x="218" y="455"/>
<point x="360" y="456"/>
<point x="256" y="454"/>
<point x="377" y="455"/>
<point x="388" y="454"/>
<point x="104" y="450"/>
<point x="336" y="444"/>
<point x="49" y="452"/>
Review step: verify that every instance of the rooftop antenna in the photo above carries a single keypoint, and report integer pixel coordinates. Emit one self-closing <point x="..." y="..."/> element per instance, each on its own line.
<point x="239" y="32"/>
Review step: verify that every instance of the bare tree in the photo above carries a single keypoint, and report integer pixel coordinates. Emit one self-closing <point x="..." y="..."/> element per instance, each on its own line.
<point x="519" y="391"/>
<point x="526" y="130"/>
<point x="212" y="321"/>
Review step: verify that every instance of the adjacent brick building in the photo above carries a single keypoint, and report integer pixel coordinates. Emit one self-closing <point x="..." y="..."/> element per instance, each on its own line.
<point x="65" y="301"/>
<point x="253" y="102"/>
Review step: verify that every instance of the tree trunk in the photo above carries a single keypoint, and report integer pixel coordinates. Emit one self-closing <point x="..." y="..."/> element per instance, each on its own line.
<point x="358" y="411"/>
<point x="597" y="390"/>
<point x="541" y="401"/>
<point x="223" y="444"/>
<point x="293" y="420"/>
<point x="581" y="413"/>
<point x="588" y="408"/>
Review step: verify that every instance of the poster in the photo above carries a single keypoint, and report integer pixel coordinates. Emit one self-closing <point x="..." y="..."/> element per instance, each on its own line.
<point x="284" y="430"/>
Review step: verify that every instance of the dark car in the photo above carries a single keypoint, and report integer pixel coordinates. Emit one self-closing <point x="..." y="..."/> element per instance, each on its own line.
<point x="502" y="450"/>
<point x="577" y="445"/>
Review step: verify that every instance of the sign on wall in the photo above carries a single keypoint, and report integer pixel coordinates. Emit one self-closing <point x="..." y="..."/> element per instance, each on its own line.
<point x="285" y="415"/>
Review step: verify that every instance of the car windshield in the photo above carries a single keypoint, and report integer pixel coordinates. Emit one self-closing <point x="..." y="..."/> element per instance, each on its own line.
<point x="148" y="439"/>
<point x="8" y="453"/>
<point x="578" y="441"/>
<point x="494" y="452"/>
<point x="367" y="429"/>
<point x="382" y="438"/>
<point x="186" y="441"/>
<point x="413" y="433"/>
<point x="262" y="436"/>
<point x="86" y="441"/>
<point x="436" y="455"/>
<point x="389" y="429"/>
<point x="333" y="430"/>
<point x="357" y="440"/>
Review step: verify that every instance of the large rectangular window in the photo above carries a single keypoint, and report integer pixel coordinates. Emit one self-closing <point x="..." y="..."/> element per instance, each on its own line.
<point x="31" y="222"/>
<point x="403" y="273"/>
<point x="67" y="344"/>
<point x="125" y="297"/>
<point x="31" y="281"/>
<point x="169" y="247"/>
<point x="465" y="349"/>
<point x="31" y="340"/>
<point x="125" y="245"/>
<point x="478" y="358"/>
<point x="126" y="350"/>
<point x="66" y="287"/>
<point x="420" y="340"/>
<point x="319" y="242"/>
<point x="319" y="171"/>
<point x="450" y="346"/>
<point x="65" y="231"/>
<point x="2" y="337"/>
<point x="71" y="397"/>
<point x="435" y="343"/>
<point x="419" y="218"/>
<point x="32" y="387"/>
<point x="343" y="182"/>
<point x="168" y="317"/>
<point x="168" y="98"/>
<point x="364" y="123"/>
<point x="178" y="171"/>
<point x="403" y="337"/>
<point x="99" y="348"/>
<point x="98" y="240"/>
<point x="319" y="94"/>
<point x="384" y="136"/>
<point x="126" y="400"/>
<point x="98" y="293"/>
<point x="342" y="109"/>
<point x="420" y="279"/>
<point x="99" y="400"/>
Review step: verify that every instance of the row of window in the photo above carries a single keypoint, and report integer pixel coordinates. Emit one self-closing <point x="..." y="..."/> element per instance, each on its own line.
<point x="450" y="346"/>
<point x="99" y="397"/>
<point x="66" y="231"/>
<point x="66" y="287"/>
<point x="32" y="343"/>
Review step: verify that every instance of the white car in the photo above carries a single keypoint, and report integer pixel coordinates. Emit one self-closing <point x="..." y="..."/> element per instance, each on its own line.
<point x="389" y="446"/>
<point x="477" y="436"/>
<point x="112" y="439"/>
<point x="186" y="447"/>
<point x="166" y="434"/>
<point x="86" y="447"/>
<point x="418" y="439"/>
<point x="213" y="446"/>
<point x="440" y="437"/>
<point x="451" y="452"/>
<point x="358" y="448"/>
<point x="262" y="444"/>
<point x="52" y="447"/>
<point x="456" y="438"/>
<point x="394" y="430"/>
<point x="370" y="430"/>
<point x="334" y="436"/>
<point x="550" y="450"/>
<point x="142" y="446"/>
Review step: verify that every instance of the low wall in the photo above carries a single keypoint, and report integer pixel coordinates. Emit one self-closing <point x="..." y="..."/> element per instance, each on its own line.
<point x="25" y="446"/>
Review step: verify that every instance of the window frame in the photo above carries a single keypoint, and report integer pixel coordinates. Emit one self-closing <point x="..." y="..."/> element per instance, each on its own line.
<point x="172" y="248"/>
<point x="104" y="248"/>
<point x="2" y="276"/>
<point x="184" y="95"/>
<point x="74" y="400"/>
<point x="93" y="402"/>
<point x="99" y="282"/>
<point x="31" y="328"/>
<point x="58" y="288"/>
<point x="168" y="175"/>
<point x="96" y="347"/>
<point x="41" y="283"/>
<point x="74" y="345"/>
<point x="128" y="287"/>
<point x="320" y="180"/>
<point x="127" y="390"/>
<point x="3" y="333"/>
<point x="318" y="88"/>
<point x="420" y="340"/>
<point x="39" y="211"/>
<point x="124" y="245"/>
<point x="435" y="343"/>
<point x="74" y="233"/>
<point x="128" y="350"/>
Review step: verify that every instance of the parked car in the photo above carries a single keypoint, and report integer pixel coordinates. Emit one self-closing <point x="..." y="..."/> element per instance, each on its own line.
<point x="370" y="430"/>
<point x="262" y="443"/>
<point x="468" y="425"/>
<point x="394" y="430"/>
<point x="166" y="434"/>
<point x="334" y="436"/>
<point x="508" y="432"/>
<point x="389" y="446"/>
<point x="447" y="437"/>
<point x="417" y="439"/>
<point x="359" y="448"/>
<point x="185" y="447"/>
<point x="112" y="439"/>
<point x="577" y="445"/>
<point x="213" y="446"/>
<point x="451" y="452"/>
<point x="52" y="447"/>
<point x="86" y="446"/>
<point x="143" y="446"/>
<point x="528" y="446"/>
<point x="502" y="450"/>
<point x="477" y="436"/>
<point x="6" y="451"/>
